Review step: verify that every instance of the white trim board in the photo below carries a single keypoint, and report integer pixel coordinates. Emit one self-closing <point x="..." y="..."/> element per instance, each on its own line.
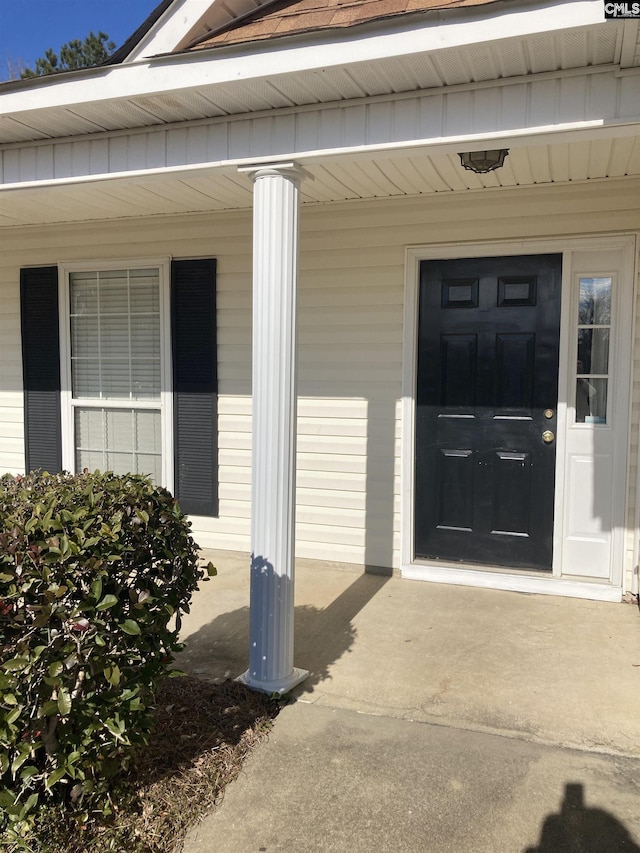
<point x="559" y="583"/>
<point x="532" y="585"/>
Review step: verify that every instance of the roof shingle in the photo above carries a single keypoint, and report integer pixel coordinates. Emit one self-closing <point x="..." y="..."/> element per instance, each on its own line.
<point x="290" y="17"/>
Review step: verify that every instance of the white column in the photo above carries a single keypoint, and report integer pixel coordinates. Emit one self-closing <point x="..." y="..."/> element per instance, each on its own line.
<point x="275" y="271"/>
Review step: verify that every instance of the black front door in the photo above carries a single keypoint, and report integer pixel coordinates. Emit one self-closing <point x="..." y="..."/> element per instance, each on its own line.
<point x="487" y="393"/>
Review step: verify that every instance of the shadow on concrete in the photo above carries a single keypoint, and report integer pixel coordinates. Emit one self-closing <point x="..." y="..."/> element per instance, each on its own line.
<point x="325" y="638"/>
<point x="578" y="829"/>
<point x="220" y="649"/>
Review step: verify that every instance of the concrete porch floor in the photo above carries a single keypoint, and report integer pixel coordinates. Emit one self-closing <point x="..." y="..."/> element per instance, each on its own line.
<point x="498" y="680"/>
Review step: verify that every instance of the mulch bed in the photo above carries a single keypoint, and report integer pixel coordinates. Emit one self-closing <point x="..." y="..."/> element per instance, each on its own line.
<point x="203" y="732"/>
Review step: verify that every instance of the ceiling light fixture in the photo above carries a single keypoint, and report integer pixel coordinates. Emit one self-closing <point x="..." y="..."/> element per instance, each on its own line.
<point x="483" y="161"/>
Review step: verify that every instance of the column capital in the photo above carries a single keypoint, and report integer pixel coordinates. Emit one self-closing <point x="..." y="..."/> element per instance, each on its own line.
<point x="270" y="170"/>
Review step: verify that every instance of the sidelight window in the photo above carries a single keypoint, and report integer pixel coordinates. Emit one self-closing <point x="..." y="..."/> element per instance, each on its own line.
<point x="592" y="362"/>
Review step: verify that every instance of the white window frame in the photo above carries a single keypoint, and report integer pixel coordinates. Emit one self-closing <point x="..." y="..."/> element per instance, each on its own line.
<point x="68" y="403"/>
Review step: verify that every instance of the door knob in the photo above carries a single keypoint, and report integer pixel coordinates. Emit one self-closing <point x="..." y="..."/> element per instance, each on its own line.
<point x="547" y="436"/>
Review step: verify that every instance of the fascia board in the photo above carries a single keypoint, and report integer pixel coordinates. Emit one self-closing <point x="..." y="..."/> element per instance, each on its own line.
<point x="194" y="70"/>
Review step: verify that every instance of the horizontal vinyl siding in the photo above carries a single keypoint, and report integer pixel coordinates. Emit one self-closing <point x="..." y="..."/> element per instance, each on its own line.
<point x="351" y="293"/>
<point x="11" y="399"/>
<point x="350" y="383"/>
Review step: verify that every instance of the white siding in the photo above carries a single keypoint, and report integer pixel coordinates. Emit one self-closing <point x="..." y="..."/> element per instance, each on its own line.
<point x="11" y="406"/>
<point x="350" y="341"/>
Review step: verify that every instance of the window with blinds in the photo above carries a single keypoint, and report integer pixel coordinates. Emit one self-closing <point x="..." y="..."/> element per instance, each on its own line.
<point x="116" y="359"/>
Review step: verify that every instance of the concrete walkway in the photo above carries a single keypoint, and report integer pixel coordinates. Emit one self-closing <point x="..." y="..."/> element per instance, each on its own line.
<point x="435" y="718"/>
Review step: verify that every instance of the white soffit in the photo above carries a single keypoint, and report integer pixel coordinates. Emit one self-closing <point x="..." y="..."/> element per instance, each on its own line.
<point x="209" y="83"/>
<point x="434" y="70"/>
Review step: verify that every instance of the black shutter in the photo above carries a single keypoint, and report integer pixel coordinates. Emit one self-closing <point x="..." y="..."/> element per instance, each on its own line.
<point x="195" y="385"/>
<point x="41" y="368"/>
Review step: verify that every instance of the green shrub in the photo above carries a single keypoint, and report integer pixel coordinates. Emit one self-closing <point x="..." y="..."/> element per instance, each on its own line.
<point x="95" y="570"/>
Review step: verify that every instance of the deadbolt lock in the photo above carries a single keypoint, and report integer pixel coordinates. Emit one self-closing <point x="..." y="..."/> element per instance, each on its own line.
<point x="548" y="413"/>
<point x="547" y="436"/>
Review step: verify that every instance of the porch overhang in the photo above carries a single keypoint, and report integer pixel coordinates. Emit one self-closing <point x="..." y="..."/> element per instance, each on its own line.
<point x="377" y="147"/>
<point x="551" y="81"/>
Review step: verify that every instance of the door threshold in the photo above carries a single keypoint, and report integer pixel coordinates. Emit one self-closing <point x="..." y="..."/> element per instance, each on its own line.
<point x="534" y="584"/>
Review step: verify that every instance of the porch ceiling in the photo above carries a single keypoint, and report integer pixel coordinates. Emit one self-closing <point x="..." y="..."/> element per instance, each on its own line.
<point x="338" y="179"/>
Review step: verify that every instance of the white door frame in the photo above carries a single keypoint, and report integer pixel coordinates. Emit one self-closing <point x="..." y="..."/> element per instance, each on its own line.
<point x="501" y="578"/>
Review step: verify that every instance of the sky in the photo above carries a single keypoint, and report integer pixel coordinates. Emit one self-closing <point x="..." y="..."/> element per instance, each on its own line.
<point x="29" y="27"/>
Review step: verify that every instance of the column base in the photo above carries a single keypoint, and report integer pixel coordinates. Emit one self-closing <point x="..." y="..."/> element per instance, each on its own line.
<point x="279" y="686"/>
